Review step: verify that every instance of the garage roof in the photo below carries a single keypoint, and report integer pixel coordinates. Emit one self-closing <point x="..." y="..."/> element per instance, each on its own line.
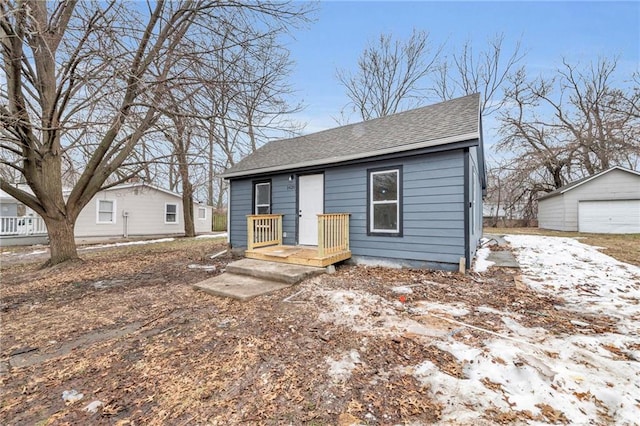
<point x="584" y="180"/>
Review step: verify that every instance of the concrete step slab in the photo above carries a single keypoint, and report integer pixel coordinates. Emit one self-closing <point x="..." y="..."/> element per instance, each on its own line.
<point x="504" y="259"/>
<point x="241" y="287"/>
<point x="273" y="271"/>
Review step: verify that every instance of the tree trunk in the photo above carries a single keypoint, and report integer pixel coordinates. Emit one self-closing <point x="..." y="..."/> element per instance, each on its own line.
<point x="187" y="209"/>
<point x="61" y="240"/>
<point x="210" y="164"/>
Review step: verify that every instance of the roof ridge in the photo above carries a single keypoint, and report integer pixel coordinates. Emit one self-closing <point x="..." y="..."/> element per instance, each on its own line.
<point x="446" y="122"/>
<point x="384" y="117"/>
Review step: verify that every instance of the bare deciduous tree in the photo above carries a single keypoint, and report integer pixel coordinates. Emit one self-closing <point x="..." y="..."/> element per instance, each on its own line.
<point x="485" y="72"/>
<point x="391" y="75"/>
<point x="91" y="76"/>
<point x="576" y="124"/>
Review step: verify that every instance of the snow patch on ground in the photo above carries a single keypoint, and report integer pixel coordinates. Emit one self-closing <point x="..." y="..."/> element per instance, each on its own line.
<point x="371" y="314"/>
<point x="588" y="280"/>
<point x="481" y="263"/>
<point x="583" y="377"/>
<point x="221" y="235"/>
<point x="402" y="289"/>
<point x="32" y="253"/>
<point x="128" y="243"/>
<point x="454" y="309"/>
<point x="340" y="369"/>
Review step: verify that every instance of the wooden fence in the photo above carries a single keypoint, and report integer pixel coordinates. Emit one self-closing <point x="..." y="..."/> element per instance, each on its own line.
<point x="219" y="222"/>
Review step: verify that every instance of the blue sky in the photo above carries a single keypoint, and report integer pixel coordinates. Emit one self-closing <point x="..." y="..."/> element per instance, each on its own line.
<point x="548" y="30"/>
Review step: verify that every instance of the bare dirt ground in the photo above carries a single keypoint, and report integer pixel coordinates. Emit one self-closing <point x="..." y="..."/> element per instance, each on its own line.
<point x="124" y="327"/>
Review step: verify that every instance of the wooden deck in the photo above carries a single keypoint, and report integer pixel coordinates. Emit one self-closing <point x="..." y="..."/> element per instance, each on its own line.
<point x="297" y="255"/>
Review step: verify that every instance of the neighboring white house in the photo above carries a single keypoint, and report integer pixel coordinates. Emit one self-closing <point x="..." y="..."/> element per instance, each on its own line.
<point x="607" y="202"/>
<point x="128" y="210"/>
<point x="138" y="209"/>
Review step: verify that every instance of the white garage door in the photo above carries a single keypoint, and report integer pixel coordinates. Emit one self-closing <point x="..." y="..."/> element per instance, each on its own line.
<point x="609" y="217"/>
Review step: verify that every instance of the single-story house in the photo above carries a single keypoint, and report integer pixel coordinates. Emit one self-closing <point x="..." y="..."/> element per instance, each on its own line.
<point x="406" y="189"/>
<point x="138" y="209"/>
<point x="607" y="202"/>
<point x="126" y="210"/>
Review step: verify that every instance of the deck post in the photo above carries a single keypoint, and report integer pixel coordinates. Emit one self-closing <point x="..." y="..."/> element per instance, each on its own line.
<point x="321" y="235"/>
<point x="345" y="230"/>
<point x="250" y="238"/>
<point x="278" y="226"/>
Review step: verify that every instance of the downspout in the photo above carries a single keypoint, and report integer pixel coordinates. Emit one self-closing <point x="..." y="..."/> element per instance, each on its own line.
<point x="125" y="224"/>
<point x="467" y="207"/>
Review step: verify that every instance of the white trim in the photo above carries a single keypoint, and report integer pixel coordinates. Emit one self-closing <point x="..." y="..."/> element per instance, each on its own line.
<point x="228" y="214"/>
<point x="373" y="203"/>
<point x="113" y="212"/>
<point x="255" y="202"/>
<point x="331" y="160"/>
<point x="177" y="214"/>
<point x="205" y="213"/>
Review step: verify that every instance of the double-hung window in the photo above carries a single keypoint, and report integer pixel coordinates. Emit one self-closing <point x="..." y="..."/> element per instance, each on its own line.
<point x="170" y="213"/>
<point x="385" y="195"/>
<point x="262" y="198"/>
<point x="202" y="213"/>
<point x="106" y="211"/>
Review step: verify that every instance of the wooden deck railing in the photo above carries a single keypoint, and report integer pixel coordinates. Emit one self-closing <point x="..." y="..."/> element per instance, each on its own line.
<point x="264" y="230"/>
<point x="333" y="233"/>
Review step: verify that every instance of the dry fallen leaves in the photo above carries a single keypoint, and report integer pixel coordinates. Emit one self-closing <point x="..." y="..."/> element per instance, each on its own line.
<point x="126" y="328"/>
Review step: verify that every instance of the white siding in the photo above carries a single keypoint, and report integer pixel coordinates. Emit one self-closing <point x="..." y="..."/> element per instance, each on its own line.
<point x="202" y="225"/>
<point x="551" y="213"/>
<point x="146" y="214"/>
<point x="561" y="212"/>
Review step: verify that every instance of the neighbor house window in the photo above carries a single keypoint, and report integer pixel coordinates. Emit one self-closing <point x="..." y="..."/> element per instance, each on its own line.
<point x="106" y="211"/>
<point x="262" y="198"/>
<point x="170" y="213"/>
<point x="202" y="213"/>
<point x="385" y="210"/>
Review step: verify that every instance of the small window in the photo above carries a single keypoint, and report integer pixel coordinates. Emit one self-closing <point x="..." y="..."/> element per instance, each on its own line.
<point x="384" y="202"/>
<point x="170" y="213"/>
<point x="202" y="213"/>
<point x="262" y="200"/>
<point x="106" y="211"/>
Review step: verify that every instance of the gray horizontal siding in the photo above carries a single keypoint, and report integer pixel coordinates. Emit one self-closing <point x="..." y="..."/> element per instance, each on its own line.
<point x="283" y="201"/>
<point x="433" y="208"/>
<point x="241" y="204"/>
<point x="433" y="202"/>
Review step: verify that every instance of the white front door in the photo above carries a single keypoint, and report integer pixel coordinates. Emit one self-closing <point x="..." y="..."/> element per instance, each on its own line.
<point x="310" y="204"/>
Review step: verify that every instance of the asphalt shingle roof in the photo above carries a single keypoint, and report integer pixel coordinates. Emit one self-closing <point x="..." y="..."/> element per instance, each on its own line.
<point x="574" y="184"/>
<point x="447" y="122"/>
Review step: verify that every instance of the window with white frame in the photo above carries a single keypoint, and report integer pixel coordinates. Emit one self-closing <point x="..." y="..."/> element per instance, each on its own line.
<point x="202" y="213"/>
<point x="170" y="213"/>
<point x="106" y="211"/>
<point x="385" y="213"/>
<point x="262" y="198"/>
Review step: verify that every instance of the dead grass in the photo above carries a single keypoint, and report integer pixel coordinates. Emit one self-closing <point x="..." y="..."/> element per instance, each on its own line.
<point x="126" y="328"/>
<point x="624" y="247"/>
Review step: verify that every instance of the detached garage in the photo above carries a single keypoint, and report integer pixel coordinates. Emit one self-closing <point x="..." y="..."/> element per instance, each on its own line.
<point x="608" y="203"/>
